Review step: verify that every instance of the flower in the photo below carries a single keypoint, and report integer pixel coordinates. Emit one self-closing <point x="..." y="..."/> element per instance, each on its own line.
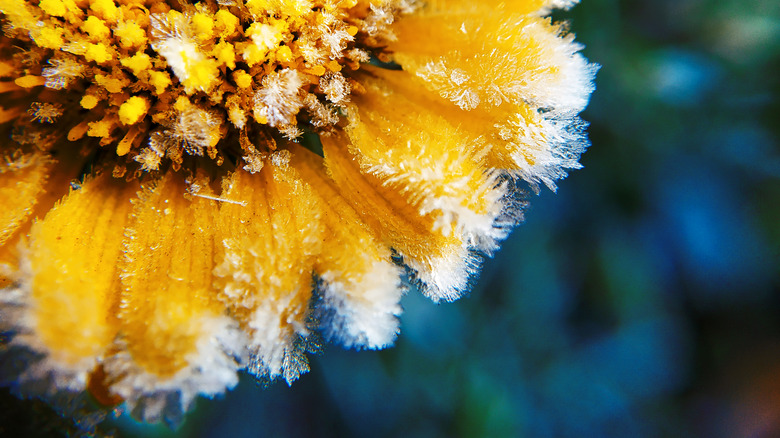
<point x="202" y="236"/>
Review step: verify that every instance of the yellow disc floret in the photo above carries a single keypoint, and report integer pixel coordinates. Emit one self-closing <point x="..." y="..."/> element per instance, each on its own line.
<point x="203" y="25"/>
<point x="49" y="38"/>
<point x="98" y="53"/>
<point x="269" y="67"/>
<point x="111" y="84"/>
<point x="55" y="8"/>
<point x="243" y="80"/>
<point x="203" y="75"/>
<point x="89" y="102"/>
<point x="133" y="110"/>
<point x="226" y="23"/>
<point x="105" y="9"/>
<point x="225" y="54"/>
<point x="96" y="28"/>
<point x="284" y="54"/>
<point x="130" y="34"/>
<point x="160" y="80"/>
<point x="100" y="128"/>
<point x="138" y="63"/>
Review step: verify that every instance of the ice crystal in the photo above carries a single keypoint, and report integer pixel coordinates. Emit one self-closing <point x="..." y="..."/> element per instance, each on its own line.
<point x="278" y="100"/>
<point x="45" y="112"/>
<point x="62" y="71"/>
<point x="335" y="87"/>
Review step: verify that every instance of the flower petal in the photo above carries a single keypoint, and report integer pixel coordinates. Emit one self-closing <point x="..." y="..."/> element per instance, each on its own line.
<point x="68" y="290"/>
<point x="442" y="262"/>
<point x="175" y="341"/>
<point x="23" y="180"/>
<point x="520" y="140"/>
<point x="271" y="235"/>
<point x="486" y="59"/>
<point x="360" y="284"/>
<point x="468" y="7"/>
<point x="30" y="185"/>
<point x="516" y="78"/>
<point x="433" y="165"/>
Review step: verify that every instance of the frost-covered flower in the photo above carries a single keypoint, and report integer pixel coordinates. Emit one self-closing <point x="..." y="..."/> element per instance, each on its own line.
<point x="200" y="239"/>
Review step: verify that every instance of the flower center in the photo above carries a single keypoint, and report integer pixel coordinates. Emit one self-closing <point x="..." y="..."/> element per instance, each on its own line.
<point x="162" y="83"/>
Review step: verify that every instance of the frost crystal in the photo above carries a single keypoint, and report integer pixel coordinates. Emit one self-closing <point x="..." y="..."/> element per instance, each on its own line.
<point x="322" y="115"/>
<point x="195" y="128"/>
<point x="335" y="87"/>
<point x="336" y="40"/>
<point x="62" y="72"/>
<point x="45" y="112"/>
<point x="278" y="100"/>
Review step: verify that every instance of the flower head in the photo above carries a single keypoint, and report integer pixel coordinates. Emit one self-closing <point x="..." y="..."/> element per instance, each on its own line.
<point x="200" y="239"/>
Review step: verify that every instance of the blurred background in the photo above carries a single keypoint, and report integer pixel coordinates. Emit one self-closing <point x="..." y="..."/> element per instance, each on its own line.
<point x="641" y="300"/>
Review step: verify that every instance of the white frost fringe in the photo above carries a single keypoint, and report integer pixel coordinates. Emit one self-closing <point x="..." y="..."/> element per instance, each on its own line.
<point x="212" y="369"/>
<point x="277" y="344"/>
<point x="43" y="375"/>
<point x="362" y="313"/>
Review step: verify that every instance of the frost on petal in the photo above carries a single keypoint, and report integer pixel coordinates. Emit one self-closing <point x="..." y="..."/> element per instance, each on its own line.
<point x="265" y="262"/>
<point x="359" y="286"/>
<point x="454" y="85"/>
<point x="66" y="288"/>
<point x="441" y="262"/>
<point x="360" y="310"/>
<point x="211" y="370"/>
<point x="81" y="236"/>
<point x="28" y="190"/>
<point x="437" y="168"/>
<point x="530" y="87"/>
<point x="492" y="61"/>
<point x="175" y="341"/>
<point x="166" y="294"/>
<point x="541" y="147"/>
<point x="22" y="180"/>
<point x="549" y="5"/>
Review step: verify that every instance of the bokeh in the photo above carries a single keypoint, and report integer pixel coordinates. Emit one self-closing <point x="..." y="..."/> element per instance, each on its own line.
<point x="641" y="300"/>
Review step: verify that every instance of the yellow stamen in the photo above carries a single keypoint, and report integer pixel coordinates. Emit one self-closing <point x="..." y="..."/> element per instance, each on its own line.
<point x="133" y="110"/>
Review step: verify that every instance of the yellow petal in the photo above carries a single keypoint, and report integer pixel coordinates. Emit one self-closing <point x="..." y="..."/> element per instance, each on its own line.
<point x="527" y="142"/>
<point x="22" y="180"/>
<point x="519" y="73"/>
<point x="360" y="284"/>
<point x="70" y="280"/>
<point x="29" y="186"/>
<point x="442" y="262"/>
<point x="176" y="341"/>
<point x="494" y="62"/>
<point x="437" y="168"/>
<point x="487" y="59"/>
<point x="269" y="244"/>
<point x="470" y="8"/>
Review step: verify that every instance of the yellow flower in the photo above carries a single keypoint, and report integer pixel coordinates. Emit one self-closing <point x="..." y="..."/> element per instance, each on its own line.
<point x="201" y="239"/>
